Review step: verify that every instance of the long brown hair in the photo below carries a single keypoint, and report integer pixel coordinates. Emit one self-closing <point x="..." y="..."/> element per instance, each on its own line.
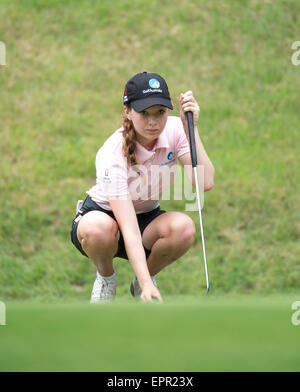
<point x="129" y="143"/>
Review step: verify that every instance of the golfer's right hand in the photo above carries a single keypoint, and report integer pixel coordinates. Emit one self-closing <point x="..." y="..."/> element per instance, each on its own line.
<point x="150" y="291"/>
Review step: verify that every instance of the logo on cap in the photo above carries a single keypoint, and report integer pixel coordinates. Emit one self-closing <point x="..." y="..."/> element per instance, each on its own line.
<point x="125" y="99"/>
<point x="154" y="83"/>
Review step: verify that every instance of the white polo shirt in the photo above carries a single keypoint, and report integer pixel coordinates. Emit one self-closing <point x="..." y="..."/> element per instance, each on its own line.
<point x="158" y="167"/>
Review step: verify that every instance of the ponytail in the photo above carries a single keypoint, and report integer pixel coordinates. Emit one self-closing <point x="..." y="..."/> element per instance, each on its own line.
<point x="129" y="143"/>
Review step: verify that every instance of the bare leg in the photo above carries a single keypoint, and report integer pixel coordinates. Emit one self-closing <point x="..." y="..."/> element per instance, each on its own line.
<point x="98" y="234"/>
<point x="169" y="236"/>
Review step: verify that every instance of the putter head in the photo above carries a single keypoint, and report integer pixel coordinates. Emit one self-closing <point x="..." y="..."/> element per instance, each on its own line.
<point x="207" y="290"/>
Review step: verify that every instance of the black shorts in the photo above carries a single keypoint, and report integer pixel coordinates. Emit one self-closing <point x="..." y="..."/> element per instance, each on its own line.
<point x="143" y="220"/>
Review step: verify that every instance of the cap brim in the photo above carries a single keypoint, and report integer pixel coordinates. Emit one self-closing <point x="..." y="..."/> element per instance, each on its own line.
<point x="145" y="103"/>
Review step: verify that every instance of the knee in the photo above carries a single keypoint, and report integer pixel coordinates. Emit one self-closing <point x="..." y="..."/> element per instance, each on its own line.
<point x="104" y="234"/>
<point x="183" y="231"/>
<point x="188" y="234"/>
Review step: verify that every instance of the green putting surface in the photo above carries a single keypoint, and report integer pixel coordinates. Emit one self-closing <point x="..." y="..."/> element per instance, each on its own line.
<point x="182" y="334"/>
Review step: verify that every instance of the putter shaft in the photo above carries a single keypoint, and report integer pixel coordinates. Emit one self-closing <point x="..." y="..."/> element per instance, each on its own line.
<point x="201" y="229"/>
<point x="190" y="121"/>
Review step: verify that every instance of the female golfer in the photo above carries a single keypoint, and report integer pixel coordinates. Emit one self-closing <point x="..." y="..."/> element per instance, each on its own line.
<point x="121" y="216"/>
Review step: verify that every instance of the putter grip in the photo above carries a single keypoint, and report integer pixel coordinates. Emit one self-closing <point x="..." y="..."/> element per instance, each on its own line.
<point x="190" y="121"/>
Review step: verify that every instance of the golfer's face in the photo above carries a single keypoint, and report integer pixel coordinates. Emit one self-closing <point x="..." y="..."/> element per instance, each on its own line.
<point x="150" y="122"/>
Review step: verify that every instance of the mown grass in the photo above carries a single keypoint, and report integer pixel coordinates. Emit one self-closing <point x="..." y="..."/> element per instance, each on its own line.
<point x="60" y="97"/>
<point x="230" y="333"/>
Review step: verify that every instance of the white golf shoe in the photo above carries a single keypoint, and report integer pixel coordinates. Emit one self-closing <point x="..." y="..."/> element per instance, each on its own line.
<point x="135" y="288"/>
<point x="104" y="289"/>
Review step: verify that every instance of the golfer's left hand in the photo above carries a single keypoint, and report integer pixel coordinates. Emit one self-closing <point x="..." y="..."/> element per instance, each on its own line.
<point x="188" y="104"/>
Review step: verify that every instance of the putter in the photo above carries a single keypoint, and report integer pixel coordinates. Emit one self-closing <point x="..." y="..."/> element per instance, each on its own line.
<point x="190" y="121"/>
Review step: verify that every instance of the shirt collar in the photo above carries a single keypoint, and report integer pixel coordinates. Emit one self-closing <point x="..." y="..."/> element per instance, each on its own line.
<point x="144" y="154"/>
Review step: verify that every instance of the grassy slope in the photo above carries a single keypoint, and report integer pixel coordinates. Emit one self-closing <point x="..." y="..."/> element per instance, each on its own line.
<point x="60" y="98"/>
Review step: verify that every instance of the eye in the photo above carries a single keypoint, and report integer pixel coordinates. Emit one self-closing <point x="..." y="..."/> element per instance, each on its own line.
<point x="143" y="112"/>
<point x="162" y="112"/>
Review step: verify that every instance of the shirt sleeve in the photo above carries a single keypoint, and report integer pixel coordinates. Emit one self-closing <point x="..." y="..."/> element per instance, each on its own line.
<point x="181" y="142"/>
<point x="112" y="177"/>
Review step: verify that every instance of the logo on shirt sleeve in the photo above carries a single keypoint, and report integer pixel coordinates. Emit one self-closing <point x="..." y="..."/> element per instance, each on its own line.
<point x="106" y="177"/>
